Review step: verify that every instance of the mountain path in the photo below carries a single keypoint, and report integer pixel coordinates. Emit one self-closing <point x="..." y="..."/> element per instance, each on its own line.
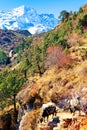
<point x="61" y="116"/>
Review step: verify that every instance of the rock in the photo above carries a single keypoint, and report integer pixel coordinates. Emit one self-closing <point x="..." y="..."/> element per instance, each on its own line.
<point x="5" y="122"/>
<point x="46" y="128"/>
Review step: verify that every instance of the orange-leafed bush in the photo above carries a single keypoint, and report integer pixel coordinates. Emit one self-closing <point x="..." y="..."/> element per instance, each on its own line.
<point x="56" y="56"/>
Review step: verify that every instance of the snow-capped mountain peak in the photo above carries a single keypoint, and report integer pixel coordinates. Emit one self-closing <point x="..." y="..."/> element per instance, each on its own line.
<point x="18" y="11"/>
<point x="26" y="18"/>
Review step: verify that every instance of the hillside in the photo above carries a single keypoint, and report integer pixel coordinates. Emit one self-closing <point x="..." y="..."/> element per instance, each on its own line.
<point x="9" y="39"/>
<point x="51" y="67"/>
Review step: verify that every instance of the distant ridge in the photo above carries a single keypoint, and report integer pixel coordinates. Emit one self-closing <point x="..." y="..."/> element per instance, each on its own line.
<point x="9" y="38"/>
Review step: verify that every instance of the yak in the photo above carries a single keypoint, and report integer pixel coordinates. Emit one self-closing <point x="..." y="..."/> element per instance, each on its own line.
<point x="50" y="110"/>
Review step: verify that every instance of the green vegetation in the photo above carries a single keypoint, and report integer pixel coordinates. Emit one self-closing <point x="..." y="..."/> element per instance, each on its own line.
<point x="32" y="60"/>
<point x="23" y="45"/>
<point x="83" y="21"/>
<point x="10" y="84"/>
<point x="25" y="65"/>
<point x="34" y="53"/>
<point x="4" y="59"/>
<point x="63" y="15"/>
<point x="35" y="59"/>
<point x="80" y="10"/>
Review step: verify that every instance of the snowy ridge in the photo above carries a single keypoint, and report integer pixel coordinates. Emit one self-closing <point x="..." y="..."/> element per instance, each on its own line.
<point x="25" y="18"/>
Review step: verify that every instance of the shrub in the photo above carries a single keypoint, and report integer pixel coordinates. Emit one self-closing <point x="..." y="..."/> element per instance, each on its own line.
<point x="74" y="15"/>
<point x="4" y="59"/>
<point x="79" y="28"/>
<point x="83" y="21"/>
<point x="57" y="56"/>
<point x="82" y="24"/>
<point x="80" y="10"/>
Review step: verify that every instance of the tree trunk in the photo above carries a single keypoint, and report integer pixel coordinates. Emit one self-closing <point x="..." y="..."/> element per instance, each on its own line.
<point x="14" y="101"/>
<point x="39" y="69"/>
<point x="25" y="74"/>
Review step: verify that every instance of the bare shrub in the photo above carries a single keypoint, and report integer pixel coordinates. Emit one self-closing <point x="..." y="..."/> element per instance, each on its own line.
<point x="56" y="56"/>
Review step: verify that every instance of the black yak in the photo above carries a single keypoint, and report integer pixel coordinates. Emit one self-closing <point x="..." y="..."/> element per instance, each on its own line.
<point x="50" y="110"/>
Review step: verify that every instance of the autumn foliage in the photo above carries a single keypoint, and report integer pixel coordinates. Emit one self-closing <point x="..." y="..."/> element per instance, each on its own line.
<point x="56" y="56"/>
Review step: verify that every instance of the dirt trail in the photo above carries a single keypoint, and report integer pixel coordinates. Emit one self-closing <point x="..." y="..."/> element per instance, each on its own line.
<point x="61" y="116"/>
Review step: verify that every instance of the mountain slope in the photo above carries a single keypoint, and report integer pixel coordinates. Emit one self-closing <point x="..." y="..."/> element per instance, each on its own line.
<point x="59" y="80"/>
<point x="25" y="18"/>
<point x="9" y="38"/>
<point x="58" y="84"/>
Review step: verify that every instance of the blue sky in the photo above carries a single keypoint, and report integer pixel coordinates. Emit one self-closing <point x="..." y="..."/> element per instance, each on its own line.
<point x="44" y="6"/>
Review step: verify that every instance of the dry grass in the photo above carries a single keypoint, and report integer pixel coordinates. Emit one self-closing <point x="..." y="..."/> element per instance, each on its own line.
<point x="56" y="81"/>
<point x="30" y="121"/>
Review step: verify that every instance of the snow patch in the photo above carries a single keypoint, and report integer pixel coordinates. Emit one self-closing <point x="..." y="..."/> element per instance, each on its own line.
<point x="37" y="29"/>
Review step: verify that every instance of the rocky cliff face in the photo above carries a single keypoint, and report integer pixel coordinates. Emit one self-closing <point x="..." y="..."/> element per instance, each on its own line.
<point x="8" y="121"/>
